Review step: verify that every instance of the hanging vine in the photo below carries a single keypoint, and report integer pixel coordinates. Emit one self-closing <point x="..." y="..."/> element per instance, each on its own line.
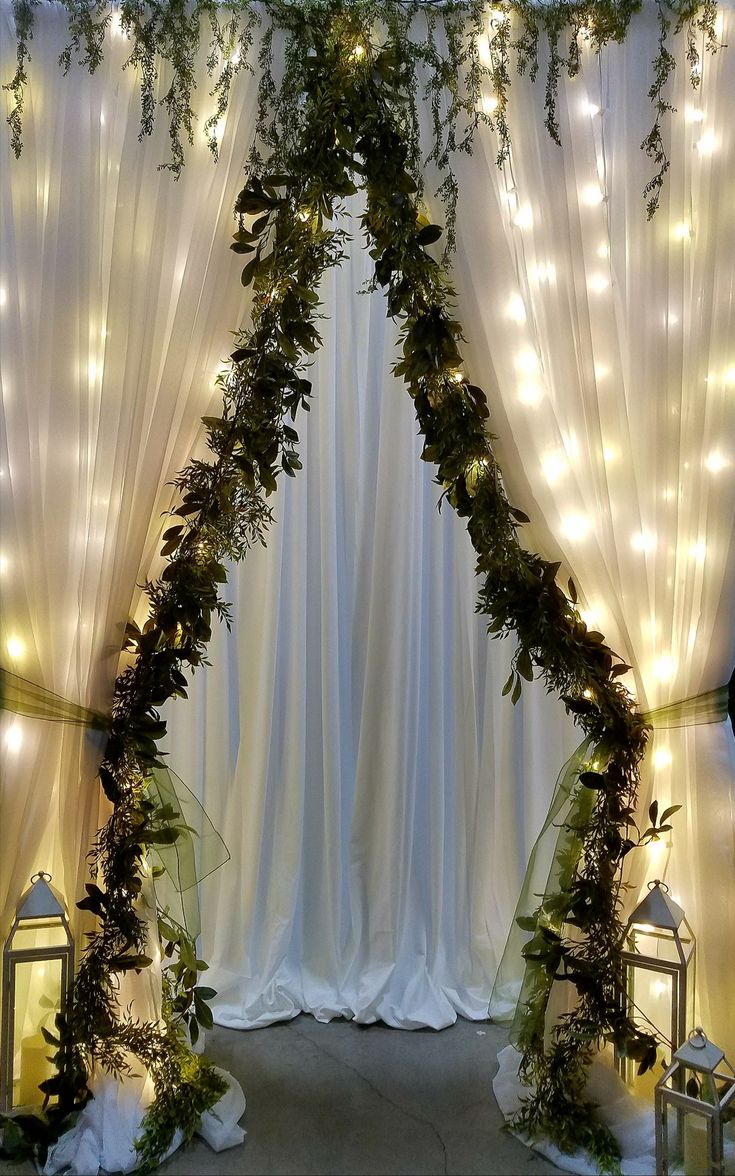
<point x="341" y="114"/>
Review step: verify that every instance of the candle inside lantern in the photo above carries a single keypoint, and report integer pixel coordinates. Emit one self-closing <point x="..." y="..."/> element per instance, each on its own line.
<point x="34" y="1069"/>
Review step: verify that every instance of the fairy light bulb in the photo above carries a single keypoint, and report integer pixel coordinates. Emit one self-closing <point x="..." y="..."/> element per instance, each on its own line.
<point x="693" y="114"/>
<point x="554" y="466"/>
<point x="664" y="668"/>
<point x="575" y="527"/>
<point x="358" y="52"/>
<point x="15" y="647"/>
<point x="643" y="541"/>
<point x="603" y="250"/>
<point x="598" y="282"/>
<point x="529" y="392"/>
<point x="662" y="758"/>
<point x="527" y="361"/>
<point x="3" y="564"/>
<point x="698" y="551"/>
<point x="490" y="103"/>
<point x="682" y="231"/>
<point x="14" y="738"/>
<point x="458" y="376"/>
<point x="706" y="145"/>
<point x="592" y="194"/>
<point x="716" y="461"/>
<point x="523" y="218"/>
<point x="590" y="108"/>
<point x="730" y="375"/>
<point x="3" y="296"/>
<point x="516" y="309"/>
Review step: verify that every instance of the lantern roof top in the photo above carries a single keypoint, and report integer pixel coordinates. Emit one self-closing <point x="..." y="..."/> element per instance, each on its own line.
<point x="658" y="909"/>
<point x="40" y="901"/>
<point x="699" y="1053"/>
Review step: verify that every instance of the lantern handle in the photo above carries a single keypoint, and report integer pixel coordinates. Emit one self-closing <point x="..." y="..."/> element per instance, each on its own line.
<point x="41" y="874"/>
<point x="697" y="1038"/>
<point x="659" y="883"/>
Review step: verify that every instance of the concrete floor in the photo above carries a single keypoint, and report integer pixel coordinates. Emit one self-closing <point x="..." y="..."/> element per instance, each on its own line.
<point x="348" y="1099"/>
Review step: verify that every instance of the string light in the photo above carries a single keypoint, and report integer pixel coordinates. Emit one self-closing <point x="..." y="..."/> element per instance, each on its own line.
<point x="554" y="467"/>
<point x="358" y="52"/>
<point x="14" y="738"/>
<point x="458" y="376"/>
<point x="598" y="283"/>
<point x="529" y="392"/>
<point x="698" y="551"/>
<point x="590" y="108"/>
<point x="682" y="231"/>
<point x="490" y="103"/>
<point x="3" y="296"/>
<point x="592" y="194"/>
<point x="3" y="564"/>
<point x="715" y="462"/>
<point x="610" y="454"/>
<point x="662" y="758"/>
<point x="591" y="617"/>
<point x="706" y="144"/>
<point x="664" y="668"/>
<point x="601" y="371"/>
<point x="523" y="219"/>
<point x="545" y="271"/>
<point x="527" y="361"/>
<point x="730" y="375"/>
<point x="235" y="58"/>
<point x="15" y="647"/>
<point x="575" y="527"/>
<point x="643" y="541"/>
<point x="694" y="114"/>
<point x="516" y="309"/>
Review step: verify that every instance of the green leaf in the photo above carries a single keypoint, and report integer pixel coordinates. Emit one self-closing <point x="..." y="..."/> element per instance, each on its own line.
<point x="669" y="812"/>
<point x="516" y="691"/>
<point x="509" y="684"/>
<point x="592" y="780"/>
<point x="572" y="590"/>
<point x="429" y="234"/>
<point x="653" y="812"/>
<point x="524" y="665"/>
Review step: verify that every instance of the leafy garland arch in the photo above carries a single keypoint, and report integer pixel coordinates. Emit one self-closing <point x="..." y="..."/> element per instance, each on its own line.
<point x="341" y="120"/>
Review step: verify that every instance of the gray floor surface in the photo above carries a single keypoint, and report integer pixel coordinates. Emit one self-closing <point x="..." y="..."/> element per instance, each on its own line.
<point x="343" y="1099"/>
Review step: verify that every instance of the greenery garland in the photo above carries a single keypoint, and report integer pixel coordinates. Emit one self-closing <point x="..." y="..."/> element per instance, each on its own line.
<point x="345" y="113"/>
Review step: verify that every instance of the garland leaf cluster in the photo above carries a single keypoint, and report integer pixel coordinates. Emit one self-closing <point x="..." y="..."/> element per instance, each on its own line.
<point x="342" y="117"/>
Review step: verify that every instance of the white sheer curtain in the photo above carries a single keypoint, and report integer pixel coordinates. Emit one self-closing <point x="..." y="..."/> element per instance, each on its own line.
<point x="378" y="795"/>
<point x="607" y="342"/>
<point x="117" y="296"/>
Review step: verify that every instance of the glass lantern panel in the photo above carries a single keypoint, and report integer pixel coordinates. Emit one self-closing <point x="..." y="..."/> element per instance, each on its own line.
<point x="650" y="994"/>
<point x="39" y="933"/>
<point x="694" y="1146"/>
<point x="659" y="945"/>
<point x="37" y="1000"/>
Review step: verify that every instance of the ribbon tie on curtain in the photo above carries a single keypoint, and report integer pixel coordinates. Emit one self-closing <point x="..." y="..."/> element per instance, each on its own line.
<point x="552" y="862"/>
<point x="184" y="861"/>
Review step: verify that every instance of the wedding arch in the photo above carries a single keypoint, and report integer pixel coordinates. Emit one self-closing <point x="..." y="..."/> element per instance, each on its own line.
<point x="340" y="119"/>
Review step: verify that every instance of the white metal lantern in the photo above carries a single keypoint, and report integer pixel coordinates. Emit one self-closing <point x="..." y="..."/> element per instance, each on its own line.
<point x="699" y="1086"/>
<point x="38" y="966"/>
<point x="658" y="970"/>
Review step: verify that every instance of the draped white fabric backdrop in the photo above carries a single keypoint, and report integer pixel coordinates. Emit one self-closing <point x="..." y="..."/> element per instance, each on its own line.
<point x="378" y="796"/>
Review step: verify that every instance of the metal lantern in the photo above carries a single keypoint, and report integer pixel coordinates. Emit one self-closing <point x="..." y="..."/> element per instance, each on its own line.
<point x="699" y="1086"/>
<point x="38" y="966"/>
<point x="658" y="970"/>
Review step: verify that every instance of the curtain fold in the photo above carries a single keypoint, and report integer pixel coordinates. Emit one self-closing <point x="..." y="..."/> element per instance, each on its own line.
<point x="606" y="342"/>
<point x="118" y="294"/>
<point x="377" y="793"/>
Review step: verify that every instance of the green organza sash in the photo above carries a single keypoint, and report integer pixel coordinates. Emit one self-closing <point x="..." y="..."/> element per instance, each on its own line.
<point x="198" y="850"/>
<point x="555" y="855"/>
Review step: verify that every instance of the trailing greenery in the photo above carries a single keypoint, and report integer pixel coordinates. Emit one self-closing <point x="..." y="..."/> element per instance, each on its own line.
<point x="342" y="115"/>
<point x="455" y="54"/>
